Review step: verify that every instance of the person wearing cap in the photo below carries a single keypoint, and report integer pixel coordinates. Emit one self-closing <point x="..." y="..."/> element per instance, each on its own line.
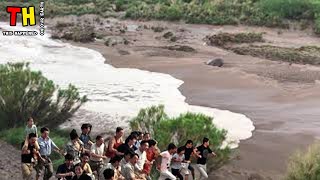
<point x="74" y="147"/>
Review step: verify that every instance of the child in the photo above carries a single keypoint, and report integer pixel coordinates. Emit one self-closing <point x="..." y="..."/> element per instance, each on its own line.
<point x="30" y="128"/>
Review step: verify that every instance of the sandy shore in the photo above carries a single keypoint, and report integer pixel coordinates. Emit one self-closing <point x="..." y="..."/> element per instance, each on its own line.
<point x="282" y="99"/>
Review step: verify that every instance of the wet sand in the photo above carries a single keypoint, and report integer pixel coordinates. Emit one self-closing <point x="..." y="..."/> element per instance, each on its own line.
<point x="281" y="99"/>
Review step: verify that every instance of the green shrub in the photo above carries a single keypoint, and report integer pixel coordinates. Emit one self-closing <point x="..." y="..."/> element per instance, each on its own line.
<point x="179" y="130"/>
<point x="13" y="136"/>
<point x="25" y="93"/>
<point x="302" y="55"/>
<point x="222" y="39"/>
<point x="305" y="165"/>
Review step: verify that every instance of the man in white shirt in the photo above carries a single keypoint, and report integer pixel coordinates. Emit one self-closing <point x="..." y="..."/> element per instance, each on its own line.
<point x="142" y="155"/>
<point x="166" y="157"/>
<point x="97" y="154"/>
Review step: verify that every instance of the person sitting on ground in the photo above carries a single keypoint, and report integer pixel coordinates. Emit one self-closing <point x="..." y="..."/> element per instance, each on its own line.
<point x="108" y="174"/>
<point x="128" y="145"/>
<point x="177" y="165"/>
<point x="152" y="154"/>
<point x="204" y="152"/>
<point x="97" y="155"/>
<point x="79" y="173"/>
<point x="114" y="143"/>
<point x="165" y="159"/>
<point x="129" y="171"/>
<point x="66" y="171"/>
<point x="85" y="157"/>
<point x="125" y="159"/>
<point x="190" y="151"/>
<point x="85" y="136"/>
<point x="74" y="147"/>
<point x="115" y="165"/>
<point x="27" y="155"/>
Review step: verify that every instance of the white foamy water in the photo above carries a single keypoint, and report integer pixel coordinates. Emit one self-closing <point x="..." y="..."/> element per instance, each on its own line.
<point x="116" y="94"/>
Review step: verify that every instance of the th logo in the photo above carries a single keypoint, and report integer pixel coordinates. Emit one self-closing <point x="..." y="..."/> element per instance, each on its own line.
<point x="28" y="15"/>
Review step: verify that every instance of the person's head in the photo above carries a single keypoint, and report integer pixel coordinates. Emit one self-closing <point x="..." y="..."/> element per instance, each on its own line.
<point x="131" y="139"/>
<point x="86" y="128"/>
<point x="144" y="145"/>
<point x="108" y="174"/>
<point x="205" y="142"/>
<point x="30" y="121"/>
<point x="68" y="159"/>
<point x="74" y="135"/>
<point x="85" y="157"/>
<point x="140" y="135"/>
<point x="99" y="140"/>
<point x="134" y="158"/>
<point x="119" y="132"/>
<point x="152" y="143"/>
<point x="44" y="132"/>
<point x="115" y="161"/>
<point x="78" y="169"/>
<point x="172" y="148"/>
<point x="32" y="138"/>
<point x="146" y="136"/>
<point x="127" y="155"/>
<point x="181" y="150"/>
<point x="189" y="144"/>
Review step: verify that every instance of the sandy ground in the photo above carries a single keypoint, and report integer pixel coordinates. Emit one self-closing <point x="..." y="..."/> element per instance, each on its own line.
<point x="281" y="99"/>
<point x="10" y="166"/>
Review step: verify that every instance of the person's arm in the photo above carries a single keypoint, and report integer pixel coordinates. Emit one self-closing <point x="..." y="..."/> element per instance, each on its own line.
<point x="111" y="149"/>
<point x="93" y="154"/>
<point x="175" y="158"/>
<point x="62" y="175"/>
<point x="36" y="131"/>
<point x="25" y="150"/>
<point x="196" y="153"/>
<point x="55" y="147"/>
<point x="132" y="175"/>
<point x="90" y="142"/>
<point x="158" y="162"/>
<point x="59" y="173"/>
<point x="211" y="152"/>
<point x="25" y="144"/>
<point x="89" y="169"/>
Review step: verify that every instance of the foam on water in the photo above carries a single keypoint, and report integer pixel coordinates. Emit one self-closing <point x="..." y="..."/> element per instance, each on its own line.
<point x="116" y="94"/>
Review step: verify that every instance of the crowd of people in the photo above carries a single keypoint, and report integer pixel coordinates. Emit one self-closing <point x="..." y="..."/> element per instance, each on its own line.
<point x="88" y="159"/>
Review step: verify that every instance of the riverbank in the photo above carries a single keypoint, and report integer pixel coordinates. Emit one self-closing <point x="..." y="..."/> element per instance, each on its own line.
<point x="281" y="98"/>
